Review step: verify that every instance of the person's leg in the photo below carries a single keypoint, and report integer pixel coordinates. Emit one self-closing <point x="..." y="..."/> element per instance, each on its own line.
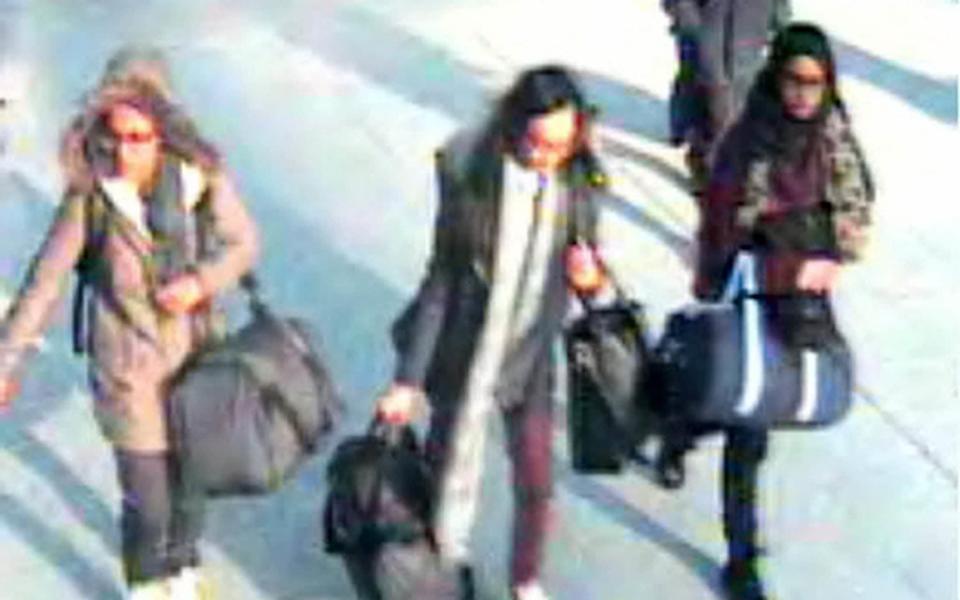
<point x="744" y="451"/>
<point x="455" y="542"/>
<point x="677" y="438"/>
<point x="714" y="76"/>
<point x="145" y="515"/>
<point x="188" y="505"/>
<point x="685" y="103"/>
<point x="528" y="435"/>
<point x="186" y="526"/>
<point x="751" y="27"/>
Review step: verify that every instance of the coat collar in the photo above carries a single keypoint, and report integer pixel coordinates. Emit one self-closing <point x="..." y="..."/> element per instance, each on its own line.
<point x="124" y="197"/>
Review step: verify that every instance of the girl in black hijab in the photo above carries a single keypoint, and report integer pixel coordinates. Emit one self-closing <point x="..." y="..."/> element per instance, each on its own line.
<point x="790" y="182"/>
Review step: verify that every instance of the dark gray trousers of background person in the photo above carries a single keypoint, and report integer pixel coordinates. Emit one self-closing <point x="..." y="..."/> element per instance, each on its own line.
<point x="160" y="522"/>
<point x="731" y="43"/>
<point x="744" y="450"/>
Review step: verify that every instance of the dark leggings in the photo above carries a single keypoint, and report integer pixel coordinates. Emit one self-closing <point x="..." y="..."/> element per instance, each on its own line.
<point x="160" y="522"/>
<point x="730" y="51"/>
<point x="743" y="452"/>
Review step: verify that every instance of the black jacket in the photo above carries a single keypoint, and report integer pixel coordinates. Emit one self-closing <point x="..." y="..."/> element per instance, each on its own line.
<point x="437" y="334"/>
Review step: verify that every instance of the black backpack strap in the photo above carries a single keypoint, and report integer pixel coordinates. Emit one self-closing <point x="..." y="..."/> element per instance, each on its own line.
<point x="95" y="230"/>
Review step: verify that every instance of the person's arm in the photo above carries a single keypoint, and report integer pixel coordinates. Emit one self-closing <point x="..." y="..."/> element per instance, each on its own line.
<point x="416" y="331"/>
<point x="718" y="235"/>
<point x="28" y="315"/>
<point x="237" y="233"/>
<point x="851" y="194"/>
<point x="239" y="244"/>
<point x="588" y="274"/>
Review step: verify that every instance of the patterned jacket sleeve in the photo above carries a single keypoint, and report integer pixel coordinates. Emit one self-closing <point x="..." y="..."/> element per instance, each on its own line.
<point x="851" y="190"/>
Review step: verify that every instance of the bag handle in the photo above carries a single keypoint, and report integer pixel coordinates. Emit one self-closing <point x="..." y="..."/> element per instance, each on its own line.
<point x="620" y="296"/>
<point x="250" y="284"/>
<point x="742" y="281"/>
<point x="393" y="435"/>
<point x="742" y="286"/>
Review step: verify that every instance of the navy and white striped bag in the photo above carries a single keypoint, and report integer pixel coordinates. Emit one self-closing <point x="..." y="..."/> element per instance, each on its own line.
<point x="750" y="360"/>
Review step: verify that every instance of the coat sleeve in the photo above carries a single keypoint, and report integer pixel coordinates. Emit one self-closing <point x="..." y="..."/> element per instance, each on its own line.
<point x="42" y="288"/>
<point x="851" y="192"/>
<point x="718" y="234"/>
<point x="416" y="331"/>
<point x="237" y="233"/>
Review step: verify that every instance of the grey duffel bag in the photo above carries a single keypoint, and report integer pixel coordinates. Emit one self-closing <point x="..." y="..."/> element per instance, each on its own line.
<point x="246" y="411"/>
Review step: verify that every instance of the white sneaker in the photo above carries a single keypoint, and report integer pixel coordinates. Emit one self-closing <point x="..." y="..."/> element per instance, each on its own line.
<point x="189" y="584"/>
<point x="150" y="590"/>
<point x="530" y="591"/>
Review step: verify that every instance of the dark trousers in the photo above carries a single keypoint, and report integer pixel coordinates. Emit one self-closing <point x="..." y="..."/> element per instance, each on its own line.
<point x="743" y="452"/>
<point x="528" y="428"/>
<point x="730" y="51"/>
<point x="160" y="522"/>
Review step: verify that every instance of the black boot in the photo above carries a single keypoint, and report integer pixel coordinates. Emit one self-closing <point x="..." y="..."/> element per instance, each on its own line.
<point x="677" y="439"/>
<point x="741" y="581"/>
<point x="671" y="472"/>
<point x="743" y="453"/>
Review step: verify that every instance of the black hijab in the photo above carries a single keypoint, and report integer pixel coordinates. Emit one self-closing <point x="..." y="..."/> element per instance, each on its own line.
<point x="771" y="131"/>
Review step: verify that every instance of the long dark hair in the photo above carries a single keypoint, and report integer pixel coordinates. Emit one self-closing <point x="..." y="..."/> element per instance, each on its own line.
<point x="765" y="122"/>
<point x="800" y="39"/>
<point x="88" y="147"/>
<point x="536" y="92"/>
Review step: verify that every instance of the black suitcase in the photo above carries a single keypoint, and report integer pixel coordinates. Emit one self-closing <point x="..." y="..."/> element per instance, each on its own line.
<point x="246" y="411"/>
<point x="606" y="356"/>
<point x="378" y="514"/>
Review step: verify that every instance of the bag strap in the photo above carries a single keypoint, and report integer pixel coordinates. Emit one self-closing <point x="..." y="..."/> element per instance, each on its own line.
<point x="95" y="234"/>
<point x="742" y="287"/>
<point x="742" y="280"/>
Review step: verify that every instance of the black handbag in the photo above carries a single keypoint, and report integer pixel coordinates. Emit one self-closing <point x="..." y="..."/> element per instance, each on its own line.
<point x="381" y="489"/>
<point x="607" y="355"/>
<point x="247" y="410"/>
<point x="378" y="517"/>
<point x="764" y="362"/>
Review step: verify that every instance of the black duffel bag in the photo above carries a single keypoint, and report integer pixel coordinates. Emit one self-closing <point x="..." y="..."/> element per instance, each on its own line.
<point x="378" y="517"/>
<point x="763" y="362"/>
<point x="607" y="356"/>
<point x="247" y="410"/>
<point x="381" y="489"/>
